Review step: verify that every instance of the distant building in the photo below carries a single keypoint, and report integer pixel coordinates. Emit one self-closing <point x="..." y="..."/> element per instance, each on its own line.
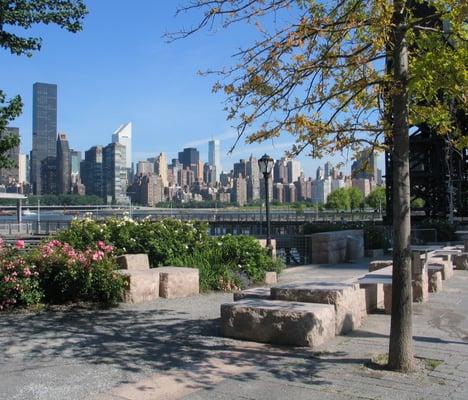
<point x="75" y="162"/>
<point x="278" y="192"/>
<point x="145" y="168"/>
<point x="214" y="156"/>
<point x="239" y="191"/>
<point x="280" y="171"/>
<point x="189" y="156"/>
<point x="209" y="174"/>
<point x="49" y="178"/>
<point x="365" y="166"/>
<point x="253" y="179"/>
<point x="115" y="173"/>
<point x="63" y="165"/>
<point x="320" y="191"/>
<point x="91" y="172"/>
<point x="328" y="169"/>
<point x="303" y="189"/>
<point x="319" y="174"/>
<point x="290" y="193"/>
<point x="363" y="184"/>
<point x="123" y="135"/>
<point x="240" y="168"/>
<point x="294" y="170"/>
<point x="161" y="168"/>
<point x="44" y="131"/>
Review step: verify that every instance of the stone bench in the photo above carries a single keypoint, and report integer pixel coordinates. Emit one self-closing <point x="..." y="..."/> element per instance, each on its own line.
<point x="461" y="261"/>
<point x="141" y="285"/>
<point x="253" y="293"/>
<point x="435" y="279"/>
<point x="278" y="322"/>
<point x="379" y="264"/>
<point x="133" y="262"/>
<point x="378" y="292"/>
<point x="445" y="265"/>
<point x="347" y="299"/>
<point x="175" y="282"/>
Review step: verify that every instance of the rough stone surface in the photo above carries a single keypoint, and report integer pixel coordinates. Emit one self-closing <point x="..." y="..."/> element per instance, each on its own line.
<point x="278" y="322"/>
<point x="263" y="243"/>
<point x="435" y="281"/>
<point x="387" y="291"/>
<point x="461" y="261"/>
<point x="346" y="298"/>
<point x="374" y="297"/>
<point x="379" y="264"/>
<point x="177" y="282"/>
<point x="331" y="247"/>
<point x="253" y="293"/>
<point x="271" y="278"/>
<point x="142" y="285"/>
<point x="134" y="262"/>
<point x="447" y="268"/>
<point x="420" y="285"/>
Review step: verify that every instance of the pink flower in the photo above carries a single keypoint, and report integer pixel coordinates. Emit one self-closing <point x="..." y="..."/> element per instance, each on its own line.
<point x="101" y="244"/>
<point x="26" y="272"/>
<point x="20" y="244"/>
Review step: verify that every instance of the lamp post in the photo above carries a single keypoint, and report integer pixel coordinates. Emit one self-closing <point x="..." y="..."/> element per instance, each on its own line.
<point x="265" y="165"/>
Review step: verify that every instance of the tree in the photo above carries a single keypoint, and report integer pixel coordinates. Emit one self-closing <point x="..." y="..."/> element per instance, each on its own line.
<point x="345" y="74"/>
<point x="376" y="199"/>
<point x="356" y="198"/>
<point x="339" y="200"/>
<point x="14" y="14"/>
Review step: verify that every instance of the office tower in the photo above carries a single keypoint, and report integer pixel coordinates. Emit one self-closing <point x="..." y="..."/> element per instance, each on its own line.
<point x="262" y="190"/>
<point x="303" y="188"/>
<point x="280" y="171"/>
<point x="189" y="156"/>
<point x="185" y="177"/>
<point x="337" y="184"/>
<point x="209" y="174"/>
<point x="240" y="168"/>
<point x="294" y="170"/>
<point x="253" y="179"/>
<point x="145" y="168"/>
<point x="123" y="135"/>
<point x="365" y="166"/>
<point x="49" y="178"/>
<point x="320" y="190"/>
<point x="75" y="162"/>
<point x="44" y="130"/>
<point x="114" y="166"/>
<point x="319" y="175"/>
<point x="278" y="192"/>
<point x="363" y="184"/>
<point x="239" y="191"/>
<point x="10" y="175"/>
<point x="91" y="171"/>
<point x="161" y="168"/>
<point x="63" y="164"/>
<point x="290" y="195"/>
<point x="214" y="156"/>
<point x="22" y="169"/>
<point x="328" y="169"/>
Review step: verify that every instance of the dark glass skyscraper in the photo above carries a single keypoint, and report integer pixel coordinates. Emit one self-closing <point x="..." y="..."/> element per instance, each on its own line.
<point x="190" y="156"/>
<point x="44" y="130"/>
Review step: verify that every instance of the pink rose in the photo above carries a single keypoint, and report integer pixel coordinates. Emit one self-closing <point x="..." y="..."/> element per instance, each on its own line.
<point x="26" y="272"/>
<point x="20" y="244"/>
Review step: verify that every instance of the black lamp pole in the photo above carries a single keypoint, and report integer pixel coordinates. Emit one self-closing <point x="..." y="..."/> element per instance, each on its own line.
<point x="267" y="209"/>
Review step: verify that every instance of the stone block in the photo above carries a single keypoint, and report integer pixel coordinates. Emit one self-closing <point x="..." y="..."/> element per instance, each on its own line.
<point x="253" y="293"/>
<point x="263" y="243"/>
<point x="134" y="262"/>
<point x="177" y="282"/>
<point x="379" y="264"/>
<point x="346" y="298"/>
<point x="461" y="261"/>
<point x="141" y="285"/>
<point x="331" y="247"/>
<point x="278" y="322"/>
<point x="374" y="296"/>
<point x="447" y="268"/>
<point x="435" y="281"/>
<point x="387" y="291"/>
<point x="271" y="278"/>
<point x="420" y="285"/>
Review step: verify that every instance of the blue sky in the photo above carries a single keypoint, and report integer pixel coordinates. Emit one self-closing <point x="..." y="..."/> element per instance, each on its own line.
<point x="120" y="69"/>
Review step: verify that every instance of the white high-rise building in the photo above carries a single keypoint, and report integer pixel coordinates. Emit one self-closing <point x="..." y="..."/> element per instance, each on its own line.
<point x="161" y="168"/>
<point x="123" y="135"/>
<point x="22" y="168"/>
<point x="294" y="170"/>
<point x="214" y="156"/>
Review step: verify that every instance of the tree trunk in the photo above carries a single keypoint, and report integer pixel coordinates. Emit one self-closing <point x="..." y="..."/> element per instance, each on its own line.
<point x="401" y="331"/>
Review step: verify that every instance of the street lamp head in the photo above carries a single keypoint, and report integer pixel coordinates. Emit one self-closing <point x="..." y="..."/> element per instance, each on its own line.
<point x="265" y="164"/>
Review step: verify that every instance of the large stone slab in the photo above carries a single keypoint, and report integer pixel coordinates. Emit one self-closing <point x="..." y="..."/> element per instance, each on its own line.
<point x="332" y="247"/>
<point x="177" y="282"/>
<point x="253" y="293"/>
<point x="346" y="298"/>
<point x="278" y="322"/>
<point x="447" y="268"/>
<point x="461" y="261"/>
<point x="379" y="264"/>
<point x="134" y="262"/>
<point x="141" y="285"/>
<point x="271" y="278"/>
<point x="374" y="296"/>
<point x="387" y="290"/>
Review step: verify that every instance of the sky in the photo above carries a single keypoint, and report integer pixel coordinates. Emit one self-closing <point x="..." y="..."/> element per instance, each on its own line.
<point x="120" y="68"/>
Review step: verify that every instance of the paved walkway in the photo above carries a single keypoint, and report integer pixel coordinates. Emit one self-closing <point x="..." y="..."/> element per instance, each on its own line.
<point x="170" y="349"/>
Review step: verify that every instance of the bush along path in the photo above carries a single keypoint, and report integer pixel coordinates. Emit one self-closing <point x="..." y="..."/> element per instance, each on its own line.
<point x="79" y="263"/>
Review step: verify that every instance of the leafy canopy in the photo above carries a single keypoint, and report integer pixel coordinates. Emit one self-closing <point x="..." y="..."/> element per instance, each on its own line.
<point x="318" y="69"/>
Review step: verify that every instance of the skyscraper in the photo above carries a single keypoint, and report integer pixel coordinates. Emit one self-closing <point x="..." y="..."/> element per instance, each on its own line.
<point x="44" y="130"/>
<point x="189" y="156"/>
<point x="115" y="173"/>
<point x="161" y="168"/>
<point x="63" y="164"/>
<point x="214" y="156"/>
<point x="75" y="161"/>
<point x="91" y="171"/>
<point x="123" y="135"/>
<point x="365" y="166"/>
<point x="294" y="170"/>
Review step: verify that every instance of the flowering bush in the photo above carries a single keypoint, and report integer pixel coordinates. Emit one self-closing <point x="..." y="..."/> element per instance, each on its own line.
<point x="19" y="285"/>
<point x="66" y="274"/>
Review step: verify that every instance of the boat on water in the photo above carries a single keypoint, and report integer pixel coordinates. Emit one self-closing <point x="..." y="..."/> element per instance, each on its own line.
<point x="28" y="212"/>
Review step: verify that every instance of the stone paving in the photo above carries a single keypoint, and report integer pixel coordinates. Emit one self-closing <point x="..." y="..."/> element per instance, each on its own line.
<point x="171" y="349"/>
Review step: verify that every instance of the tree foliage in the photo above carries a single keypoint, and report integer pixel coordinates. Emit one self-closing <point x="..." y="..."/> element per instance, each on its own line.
<point x="376" y="199"/>
<point x="318" y="71"/>
<point x="20" y="15"/>
<point x="339" y="200"/>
